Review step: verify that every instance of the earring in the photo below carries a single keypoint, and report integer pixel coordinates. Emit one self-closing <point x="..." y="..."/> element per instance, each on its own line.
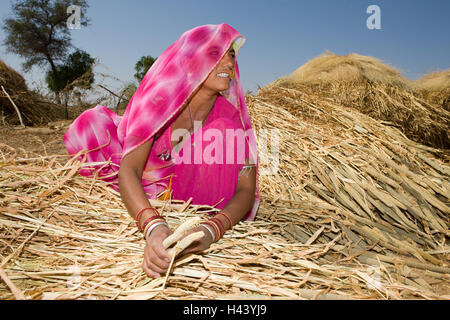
<point x="233" y="74"/>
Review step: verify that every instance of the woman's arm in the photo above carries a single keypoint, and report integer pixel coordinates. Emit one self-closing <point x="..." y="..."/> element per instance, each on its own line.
<point x="156" y="259"/>
<point x="130" y="186"/>
<point x="243" y="198"/>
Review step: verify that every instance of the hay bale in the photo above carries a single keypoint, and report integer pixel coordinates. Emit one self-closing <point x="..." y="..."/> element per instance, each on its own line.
<point x="435" y="87"/>
<point x="373" y="88"/>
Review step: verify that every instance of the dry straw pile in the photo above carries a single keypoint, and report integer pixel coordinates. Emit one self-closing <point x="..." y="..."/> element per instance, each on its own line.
<point x="435" y="87"/>
<point x="356" y="211"/>
<point x="33" y="108"/>
<point x="376" y="89"/>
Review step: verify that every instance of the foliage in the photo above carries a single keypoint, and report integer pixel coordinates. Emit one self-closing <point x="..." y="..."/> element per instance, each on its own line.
<point x="75" y="72"/>
<point x="142" y="66"/>
<point x="38" y="31"/>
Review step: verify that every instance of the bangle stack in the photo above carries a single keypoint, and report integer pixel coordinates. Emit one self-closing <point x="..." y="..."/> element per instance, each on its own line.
<point x="227" y="217"/>
<point x="216" y="227"/>
<point x="151" y="223"/>
<point x="152" y="226"/>
<point x="140" y="213"/>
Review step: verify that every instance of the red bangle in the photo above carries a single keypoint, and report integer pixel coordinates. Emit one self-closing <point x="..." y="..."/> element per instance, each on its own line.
<point x="227" y="217"/>
<point x="218" y="226"/>
<point x="139" y="214"/>
<point x="221" y="226"/>
<point x="150" y="220"/>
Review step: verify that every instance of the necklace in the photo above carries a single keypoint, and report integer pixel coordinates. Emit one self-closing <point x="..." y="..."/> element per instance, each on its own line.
<point x="177" y="147"/>
<point x="191" y="129"/>
<point x="192" y="121"/>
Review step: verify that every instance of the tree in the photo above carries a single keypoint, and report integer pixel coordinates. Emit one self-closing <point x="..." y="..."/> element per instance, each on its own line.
<point x="126" y="94"/>
<point x="76" y="72"/>
<point x="142" y="67"/>
<point x="78" y="66"/>
<point x="38" y="31"/>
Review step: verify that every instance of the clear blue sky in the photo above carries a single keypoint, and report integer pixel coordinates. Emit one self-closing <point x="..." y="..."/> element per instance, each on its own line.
<point x="281" y="35"/>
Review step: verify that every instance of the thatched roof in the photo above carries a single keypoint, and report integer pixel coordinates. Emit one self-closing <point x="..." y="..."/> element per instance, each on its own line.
<point x="10" y="79"/>
<point x="435" y="81"/>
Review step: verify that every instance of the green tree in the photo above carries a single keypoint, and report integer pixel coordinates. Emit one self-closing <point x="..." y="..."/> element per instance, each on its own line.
<point x="38" y="31"/>
<point x="76" y="72"/>
<point x="142" y="67"/>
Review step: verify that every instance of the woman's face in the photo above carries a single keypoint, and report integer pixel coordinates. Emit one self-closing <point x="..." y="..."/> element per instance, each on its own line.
<point x="217" y="79"/>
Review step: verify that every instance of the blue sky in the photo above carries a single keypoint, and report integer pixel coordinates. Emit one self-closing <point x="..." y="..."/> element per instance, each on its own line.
<point x="281" y="35"/>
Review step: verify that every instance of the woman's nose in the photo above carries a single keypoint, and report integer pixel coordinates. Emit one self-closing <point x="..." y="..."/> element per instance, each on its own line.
<point x="228" y="62"/>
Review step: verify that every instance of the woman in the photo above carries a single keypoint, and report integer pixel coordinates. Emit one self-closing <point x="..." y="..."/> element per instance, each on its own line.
<point x="163" y="145"/>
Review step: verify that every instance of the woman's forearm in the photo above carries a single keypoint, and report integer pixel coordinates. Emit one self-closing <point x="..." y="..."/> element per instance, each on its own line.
<point x="132" y="192"/>
<point x="239" y="205"/>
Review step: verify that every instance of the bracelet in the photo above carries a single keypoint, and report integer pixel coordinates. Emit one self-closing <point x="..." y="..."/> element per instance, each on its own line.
<point x="220" y="225"/>
<point x="213" y="229"/>
<point x="148" y="225"/>
<point x="216" y="229"/>
<point x="228" y="218"/>
<point x="153" y="226"/>
<point x="150" y="220"/>
<point x="210" y="230"/>
<point x="139" y="214"/>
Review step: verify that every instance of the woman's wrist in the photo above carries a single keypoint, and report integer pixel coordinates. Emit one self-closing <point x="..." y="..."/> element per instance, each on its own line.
<point x="210" y="233"/>
<point x="216" y="228"/>
<point x="225" y="218"/>
<point x="154" y="228"/>
<point x="143" y="215"/>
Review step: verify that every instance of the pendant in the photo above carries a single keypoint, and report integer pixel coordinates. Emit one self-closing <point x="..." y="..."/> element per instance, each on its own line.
<point x="165" y="155"/>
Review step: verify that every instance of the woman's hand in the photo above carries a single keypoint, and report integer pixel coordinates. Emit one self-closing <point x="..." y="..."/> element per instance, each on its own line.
<point x="199" y="245"/>
<point x="156" y="258"/>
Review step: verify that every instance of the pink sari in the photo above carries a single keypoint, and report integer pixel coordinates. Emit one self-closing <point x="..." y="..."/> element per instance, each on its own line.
<point x="161" y="96"/>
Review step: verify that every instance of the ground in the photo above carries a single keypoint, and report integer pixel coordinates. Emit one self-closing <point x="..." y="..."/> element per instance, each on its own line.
<point x="37" y="140"/>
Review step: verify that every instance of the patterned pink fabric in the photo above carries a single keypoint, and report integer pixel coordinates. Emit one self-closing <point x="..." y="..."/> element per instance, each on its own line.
<point x="206" y="182"/>
<point x="172" y="79"/>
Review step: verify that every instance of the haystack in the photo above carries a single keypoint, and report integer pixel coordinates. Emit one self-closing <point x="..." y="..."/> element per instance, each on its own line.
<point x="11" y="79"/>
<point x="435" y="87"/>
<point x="34" y="109"/>
<point x="373" y="88"/>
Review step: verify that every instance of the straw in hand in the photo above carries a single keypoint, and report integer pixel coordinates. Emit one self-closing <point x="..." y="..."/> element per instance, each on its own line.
<point x="183" y="243"/>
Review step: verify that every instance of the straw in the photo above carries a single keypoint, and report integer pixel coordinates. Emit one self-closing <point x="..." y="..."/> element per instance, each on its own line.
<point x="355" y="211"/>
